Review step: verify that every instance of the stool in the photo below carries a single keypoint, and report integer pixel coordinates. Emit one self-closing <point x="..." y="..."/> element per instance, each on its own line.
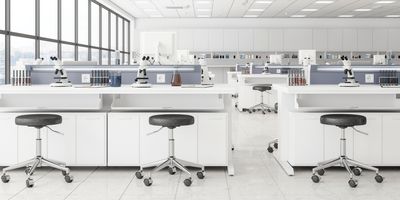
<point x="171" y="121"/>
<point x="344" y="121"/>
<point x="262" y="106"/>
<point x="37" y="121"/>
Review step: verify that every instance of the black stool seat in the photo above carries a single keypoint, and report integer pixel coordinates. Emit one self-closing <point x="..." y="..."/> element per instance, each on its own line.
<point x="343" y="120"/>
<point x="262" y="88"/>
<point x="171" y="120"/>
<point x="38" y="120"/>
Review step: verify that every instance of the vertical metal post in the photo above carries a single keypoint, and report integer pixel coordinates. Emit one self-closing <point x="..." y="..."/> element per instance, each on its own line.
<point x="89" y="30"/>
<point x="37" y="29"/>
<point x="123" y="41"/>
<point x="171" y="144"/>
<point x="38" y="144"/>
<point x="7" y="43"/>
<point x="59" y="28"/>
<point x="343" y="143"/>
<point x="100" y="35"/>
<point x="76" y="29"/>
<point x="129" y="42"/>
<point x="109" y="37"/>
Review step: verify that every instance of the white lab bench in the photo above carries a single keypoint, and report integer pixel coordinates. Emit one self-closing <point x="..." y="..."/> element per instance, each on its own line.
<point x="304" y="141"/>
<point x="109" y="126"/>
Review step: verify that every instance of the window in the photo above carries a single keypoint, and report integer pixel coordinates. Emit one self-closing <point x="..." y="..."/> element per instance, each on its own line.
<point x="68" y="52"/>
<point x="48" y="49"/>
<point x="83" y="54"/>
<point x="95" y="25"/>
<point x="83" y="28"/>
<point x="68" y="20"/>
<point x="104" y="57"/>
<point x="2" y="60"/>
<point x="120" y="34"/>
<point x="48" y="18"/>
<point x="22" y="49"/>
<point x="23" y="16"/>
<point x="113" y="31"/>
<point x="95" y="55"/>
<point x="126" y="35"/>
<point x="113" y="58"/>
<point x="2" y="14"/>
<point x="105" y="28"/>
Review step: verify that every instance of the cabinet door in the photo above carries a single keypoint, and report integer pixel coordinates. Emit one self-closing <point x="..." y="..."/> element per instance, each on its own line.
<point x="8" y="142"/>
<point x="320" y="39"/>
<point x="295" y="39"/>
<point x="391" y="138"/>
<point x="213" y="139"/>
<point x="63" y="147"/>
<point x="368" y="148"/>
<point x="245" y="39"/>
<point x="185" y="40"/>
<point x="276" y="40"/>
<point x="335" y="40"/>
<point x="306" y="140"/>
<point x="90" y="139"/>
<point x="216" y="40"/>
<point x="332" y="136"/>
<point x="380" y="39"/>
<point x="349" y="40"/>
<point x="365" y="40"/>
<point x="394" y="39"/>
<point x="200" y="40"/>
<point x="123" y="139"/>
<point x="231" y="40"/>
<point x="260" y="40"/>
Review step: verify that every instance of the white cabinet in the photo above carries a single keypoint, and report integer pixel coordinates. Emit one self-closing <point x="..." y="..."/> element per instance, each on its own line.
<point x="91" y="139"/>
<point x="390" y="140"/>
<point x="9" y="141"/>
<point x="231" y="40"/>
<point x="320" y="39"/>
<point x="185" y="39"/>
<point x="123" y="139"/>
<point x="216" y="40"/>
<point x="296" y="39"/>
<point x="394" y="39"/>
<point x="349" y="40"/>
<point x="186" y="141"/>
<point x="275" y="39"/>
<point x="201" y="38"/>
<point x="307" y="140"/>
<point x="260" y="41"/>
<point x="212" y="139"/>
<point x="63" y="147"/>
<point x="380" y="39"/>
<point x="246" y="40"/>
<point x="368" y="148"/>
<point x="335" y="40"/>
<point x="365" y="40"/>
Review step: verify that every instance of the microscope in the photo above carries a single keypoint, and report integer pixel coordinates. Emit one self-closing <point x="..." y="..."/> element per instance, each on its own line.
<point x="266" y="68"/>
<point x="206" y="76"/>
<point x="60" y="74"/>
<point x="350" y="79"/>
<point x="142" y="79"/>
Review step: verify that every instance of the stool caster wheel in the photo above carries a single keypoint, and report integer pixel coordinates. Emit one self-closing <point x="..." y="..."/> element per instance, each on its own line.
<point x="270" y="149"/>
<point x="276" y="145"/>
<point x="321" y="172"/>
<point x="29" y="183"/>
<point x="147" y="182"/>
<point x="201" y="175"/>
<point x="353" y="183"/>
<point x="275" y="111"/>
<point x="27" y="170"/>
<point x="378" y="178"/>
<point x="315" y="178"/>
<point x="172" y="170"/>
<point x="139" y="175"/>
<point x="357" y="171"/>
<point x="264" y="113"/>
<point x="249" y="111"/>
<point x="64" y="173"/>
<point x="188" y="182"/>
<point x="68" y="178"/>
<point x="5" y="178"/>
<point x="269" y="110"/>
<point x="254" y="110"/>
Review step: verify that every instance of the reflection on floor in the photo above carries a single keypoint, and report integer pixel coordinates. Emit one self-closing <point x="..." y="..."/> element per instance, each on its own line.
<point x="258" y="176"/>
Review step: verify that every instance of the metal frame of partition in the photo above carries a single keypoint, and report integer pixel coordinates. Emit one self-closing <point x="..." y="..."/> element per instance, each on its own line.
<point x="124" y="51"/>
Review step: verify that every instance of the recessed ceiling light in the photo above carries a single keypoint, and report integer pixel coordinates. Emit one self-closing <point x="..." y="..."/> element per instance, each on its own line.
<point x="256" y="10"/>
<point x="264" y="2"/>
<point x="203" y="10"/>
<point x="203" y="2"/>
<point x="309" y="9"/>
<point x="298" y="16"/>
<point x="346" y="16"/>
<point x="363" y="10"/>
<point x="385" y="2"/>
<point x="252" y="16"/>
<point x="324" y="2"/>
<point x="393" y="16"/>
<point x="203" y="16"/>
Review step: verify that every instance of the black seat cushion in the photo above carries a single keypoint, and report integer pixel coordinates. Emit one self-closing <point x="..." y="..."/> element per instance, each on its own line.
<point x="262" y="88"/>
<point x="38" y="120"/>
<point x="171" y="120"/>
<point x="343" y="120"/>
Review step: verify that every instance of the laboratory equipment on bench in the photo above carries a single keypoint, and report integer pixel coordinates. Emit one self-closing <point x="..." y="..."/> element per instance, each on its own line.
<point x="115" y="79"/>
<point x="388" y="79"/>
<point x="207" y="77"/>
<point x="99" y="78"/>
<point x="176" y="79"/>
<point x="266" y="68"/>
<point x="141" y="80"/>
<point x="297" y="77"/>
<point x="379" y="60"/>
<point x="21" y="77"/>
<point x="60" y="74"/>
<point x="350" y="78"/>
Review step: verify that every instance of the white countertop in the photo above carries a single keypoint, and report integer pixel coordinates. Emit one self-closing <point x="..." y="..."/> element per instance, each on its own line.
<point x="125" y="89"/>
<point x="335" y="89"/>
<point x="263" y="75"/>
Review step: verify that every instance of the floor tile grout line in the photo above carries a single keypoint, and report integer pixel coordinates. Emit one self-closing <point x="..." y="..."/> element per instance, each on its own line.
<point x="35" y="181"/>
<point x="227" y="184"/>
<point x="177" y="186"/>
<point x="81" y="183"/>
<point x="126" y="188"/>
<point x="273" y="179"/>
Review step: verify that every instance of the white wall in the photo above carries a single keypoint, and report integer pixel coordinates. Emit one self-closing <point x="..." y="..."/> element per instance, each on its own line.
<point x="220" y="34"/>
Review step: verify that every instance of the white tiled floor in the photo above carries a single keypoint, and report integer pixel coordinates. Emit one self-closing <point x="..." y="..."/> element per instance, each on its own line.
<point x="258" y="176"/>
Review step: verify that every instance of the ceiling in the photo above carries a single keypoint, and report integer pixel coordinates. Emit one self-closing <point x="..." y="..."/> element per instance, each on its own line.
<point x="261" y="8"/>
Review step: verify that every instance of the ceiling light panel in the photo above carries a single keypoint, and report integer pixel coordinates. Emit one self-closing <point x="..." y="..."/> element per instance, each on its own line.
<point x="250" y="16"/>
<point x="324" y="2"/>
<point x="346" y="16"/>
<point x="393" y="16"/>
<point x="385" y="2"/>
<point x="363" y="10"/>
<point x="309" y="10"/>
<point x="298" y="16"/>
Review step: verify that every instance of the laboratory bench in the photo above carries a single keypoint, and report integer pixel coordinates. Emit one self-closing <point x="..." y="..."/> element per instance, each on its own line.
<point x="108" y="126"/>
<point x="304" y="141"/>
